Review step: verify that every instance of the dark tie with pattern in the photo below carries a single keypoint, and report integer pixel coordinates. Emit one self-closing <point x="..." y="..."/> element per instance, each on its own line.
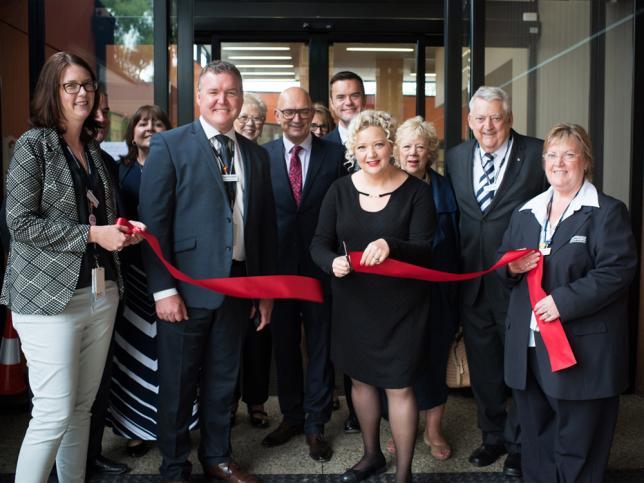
<point x="295" y="174"/>
<point x="484" y="196"/>
<point x="226" y="150"/>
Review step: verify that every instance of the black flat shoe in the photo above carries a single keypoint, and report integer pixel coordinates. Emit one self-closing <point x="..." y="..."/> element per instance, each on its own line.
<point x="137" y="450"/>
<point x="353" y="475"/>
<point x="258" y="419"/>
<point x="351" y="425"/>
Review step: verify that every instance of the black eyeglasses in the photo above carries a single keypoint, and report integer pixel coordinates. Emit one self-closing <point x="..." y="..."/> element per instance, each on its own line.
<point x="304" y="113"/>
<point x="74" y="87"/>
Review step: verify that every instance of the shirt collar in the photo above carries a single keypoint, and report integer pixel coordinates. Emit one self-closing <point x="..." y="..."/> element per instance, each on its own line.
<point x="306" y="144"/>
<point x="212" y="131"/>
<point x="587" y="196"/>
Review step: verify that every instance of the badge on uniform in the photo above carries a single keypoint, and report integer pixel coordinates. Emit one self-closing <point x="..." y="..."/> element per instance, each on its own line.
<point x="578" y="239"/>
<point x="229" y="178"/>
<point x="544" y="249"/>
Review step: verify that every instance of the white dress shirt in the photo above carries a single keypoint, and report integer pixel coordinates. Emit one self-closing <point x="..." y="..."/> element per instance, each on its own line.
<point x="587" y="196"/>
<point x="305" y="154"/>
<point x="343" y="132"/>
<point x="501" y="161"/>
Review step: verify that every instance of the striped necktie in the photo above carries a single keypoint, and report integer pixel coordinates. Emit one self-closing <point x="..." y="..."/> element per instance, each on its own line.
<point x="485" y="196"/>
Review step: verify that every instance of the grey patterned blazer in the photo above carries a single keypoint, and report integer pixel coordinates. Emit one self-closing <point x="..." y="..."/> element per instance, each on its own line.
<point x="47" y="238"/>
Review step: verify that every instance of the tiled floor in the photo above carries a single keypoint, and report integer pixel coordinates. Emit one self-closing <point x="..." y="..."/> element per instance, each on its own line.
<point x="292" y="458"/>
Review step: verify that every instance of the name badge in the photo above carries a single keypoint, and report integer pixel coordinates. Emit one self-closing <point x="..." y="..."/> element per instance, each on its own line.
<point x="92" y="199"/>
<point x="98" y="282"/>
<point x="545" y="251"/>
<point x="578" y="239"/>
<point x="229" y="178"/>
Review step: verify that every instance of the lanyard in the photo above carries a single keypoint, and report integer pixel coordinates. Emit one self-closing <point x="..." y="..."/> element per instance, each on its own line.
<point x="545" y="241"/>
<point x="494" y="171"/>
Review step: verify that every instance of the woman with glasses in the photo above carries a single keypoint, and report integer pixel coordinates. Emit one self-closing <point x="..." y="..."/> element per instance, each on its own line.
<point x="568" y="417"/>
<point x="378" y="323"/>
<point x="322" y="123"/>
<point x="63" y="274"/>
<point x="252" y="117"/>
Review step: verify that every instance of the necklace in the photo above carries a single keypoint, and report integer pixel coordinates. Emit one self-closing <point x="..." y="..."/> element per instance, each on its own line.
<point x="369" y="195"/>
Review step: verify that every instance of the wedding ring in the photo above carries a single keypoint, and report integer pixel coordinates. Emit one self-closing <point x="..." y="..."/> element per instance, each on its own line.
<point x="377" y="260"/>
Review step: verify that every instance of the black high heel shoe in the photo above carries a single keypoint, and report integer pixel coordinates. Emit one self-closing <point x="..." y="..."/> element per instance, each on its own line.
<point x="352" y="475"/>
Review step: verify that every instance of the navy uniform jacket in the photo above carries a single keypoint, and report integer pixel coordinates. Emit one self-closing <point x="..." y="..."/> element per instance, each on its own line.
<point x="588" y="272"/>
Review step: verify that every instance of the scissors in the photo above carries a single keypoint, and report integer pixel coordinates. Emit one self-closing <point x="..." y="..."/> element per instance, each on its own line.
<point x="346" y="254"/>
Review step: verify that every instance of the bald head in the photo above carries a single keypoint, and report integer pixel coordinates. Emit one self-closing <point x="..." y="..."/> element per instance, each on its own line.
<point x="294" y="113"/>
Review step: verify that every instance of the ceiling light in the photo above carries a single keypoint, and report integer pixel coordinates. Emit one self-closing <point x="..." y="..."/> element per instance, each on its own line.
<point x="267" y="73"/>
<point x="260" y="57"/>
<point x="264" y="66"/>
<point x="380" y="49"/>
<point x="256" y="48"/>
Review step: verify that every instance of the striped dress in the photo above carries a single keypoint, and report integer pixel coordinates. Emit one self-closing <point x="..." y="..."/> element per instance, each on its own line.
<point x="135" y="389"/>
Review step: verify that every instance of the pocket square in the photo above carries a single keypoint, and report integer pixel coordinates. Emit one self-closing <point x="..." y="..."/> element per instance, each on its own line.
<point x="578" y="239"/>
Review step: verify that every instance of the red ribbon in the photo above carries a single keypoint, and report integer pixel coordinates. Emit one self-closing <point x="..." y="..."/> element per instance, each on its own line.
<point x="308" y="288"/>
<point x="257" y="287"/>
<point x="552" y="333"/>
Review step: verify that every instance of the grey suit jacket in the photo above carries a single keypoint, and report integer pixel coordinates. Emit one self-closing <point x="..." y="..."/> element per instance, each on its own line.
<point x="481" y="232"/>
<point x="184" y="203"/>
<point x="47" y="238"/>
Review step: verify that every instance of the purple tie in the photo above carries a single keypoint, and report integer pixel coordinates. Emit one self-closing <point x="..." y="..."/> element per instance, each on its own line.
<point x="295" y="174"/>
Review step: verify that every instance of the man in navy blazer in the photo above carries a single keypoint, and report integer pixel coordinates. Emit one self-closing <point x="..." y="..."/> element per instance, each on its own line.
<point x="302" y="169"/>
<point x="206" y="194"/>
<point x="487" y="194"/>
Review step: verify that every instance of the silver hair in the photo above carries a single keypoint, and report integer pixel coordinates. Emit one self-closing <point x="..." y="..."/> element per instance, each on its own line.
<point x="250" y="98"/>
<point x="489" y="94"/>
<point x="364" y="120"/>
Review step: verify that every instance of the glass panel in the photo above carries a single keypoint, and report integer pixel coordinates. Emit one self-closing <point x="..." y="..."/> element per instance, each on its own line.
<point x="388" y="72"/>
<point x="116" y="39"/>
<point x="618" y="99"/>
<point x="267" y="69"/>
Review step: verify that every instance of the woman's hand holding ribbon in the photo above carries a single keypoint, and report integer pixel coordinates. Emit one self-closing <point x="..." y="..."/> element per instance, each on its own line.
<point x="524" y="264"/>
<point x="546" y="309"/>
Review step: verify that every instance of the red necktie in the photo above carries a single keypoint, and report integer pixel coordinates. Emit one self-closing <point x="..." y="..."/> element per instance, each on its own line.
<point x="295" y="174"/>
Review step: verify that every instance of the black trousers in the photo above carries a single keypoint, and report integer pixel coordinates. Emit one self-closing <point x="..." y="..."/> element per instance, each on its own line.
<point x="564" y="441"/>
<point x="303" y="401"/>
<point x="200" y="355"/>
<point x="484" y="333"/>
<point x="255" y="372"/>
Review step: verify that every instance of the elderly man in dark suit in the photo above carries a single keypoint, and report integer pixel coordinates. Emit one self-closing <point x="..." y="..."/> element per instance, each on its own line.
<point x="491" y="176"/>
<point x="206" y="194"/>
<point x="302" y="169"/>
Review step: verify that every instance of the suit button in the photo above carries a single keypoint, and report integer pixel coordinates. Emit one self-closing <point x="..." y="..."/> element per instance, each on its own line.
<point x="228" y="249"/>
<point x="228" y="219"/>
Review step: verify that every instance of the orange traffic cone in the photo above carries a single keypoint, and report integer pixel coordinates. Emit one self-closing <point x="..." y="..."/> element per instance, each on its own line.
<point x="12" y="374"/>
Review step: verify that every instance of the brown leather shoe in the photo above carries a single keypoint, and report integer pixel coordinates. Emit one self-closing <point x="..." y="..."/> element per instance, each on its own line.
<point x="229" y="471"/>
<point x="284" y="432"/>
<point x="319" y="448"/>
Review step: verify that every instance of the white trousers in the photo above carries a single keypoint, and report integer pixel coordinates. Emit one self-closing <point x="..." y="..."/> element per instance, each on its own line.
<point x="66" y="356"/>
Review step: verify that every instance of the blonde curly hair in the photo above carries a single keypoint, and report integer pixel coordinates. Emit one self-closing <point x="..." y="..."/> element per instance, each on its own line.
<point x="417" y="127"/>
<point x="364" y="120"/>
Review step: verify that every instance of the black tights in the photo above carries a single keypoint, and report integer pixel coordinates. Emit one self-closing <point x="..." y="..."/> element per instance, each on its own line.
<point x="403" y="418"/>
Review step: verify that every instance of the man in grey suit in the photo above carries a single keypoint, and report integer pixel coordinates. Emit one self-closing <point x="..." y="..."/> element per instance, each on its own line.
<point x="491" y="176"/>
<point x="302" y="169"/>
<point x="206" y="194"/>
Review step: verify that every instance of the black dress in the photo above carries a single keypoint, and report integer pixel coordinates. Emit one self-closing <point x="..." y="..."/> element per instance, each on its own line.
<point x="379" y="323"/>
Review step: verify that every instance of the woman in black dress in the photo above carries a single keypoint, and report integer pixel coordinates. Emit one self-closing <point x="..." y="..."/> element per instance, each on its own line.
<point x="379" y="323"/>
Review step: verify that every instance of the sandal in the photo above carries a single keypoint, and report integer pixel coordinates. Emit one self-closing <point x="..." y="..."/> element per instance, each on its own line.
<point x="258" y="418"/>
<point x="440" y="452"/>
